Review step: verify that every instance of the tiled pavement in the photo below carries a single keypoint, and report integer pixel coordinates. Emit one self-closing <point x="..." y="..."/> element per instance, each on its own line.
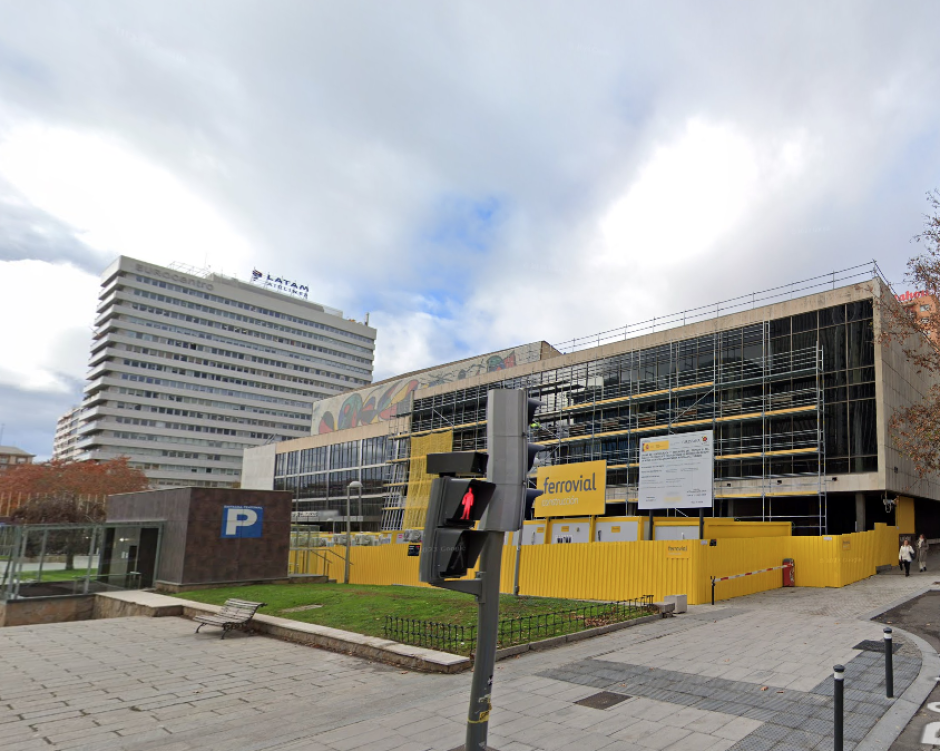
<point x="752" y="675"/>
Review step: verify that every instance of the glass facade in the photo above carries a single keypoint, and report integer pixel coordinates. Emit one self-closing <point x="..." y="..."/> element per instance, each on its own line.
<point x="789" y="398"/>
<point x="319" y="478"/>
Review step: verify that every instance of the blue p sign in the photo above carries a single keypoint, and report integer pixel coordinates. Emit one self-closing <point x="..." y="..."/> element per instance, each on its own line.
<point x="242" y="521"/>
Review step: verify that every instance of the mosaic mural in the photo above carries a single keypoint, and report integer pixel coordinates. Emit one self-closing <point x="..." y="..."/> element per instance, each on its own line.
<point x="377" y="403"/>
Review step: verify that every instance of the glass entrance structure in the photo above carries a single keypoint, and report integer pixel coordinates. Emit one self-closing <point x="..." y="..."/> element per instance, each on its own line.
<point x="61" y="560"/>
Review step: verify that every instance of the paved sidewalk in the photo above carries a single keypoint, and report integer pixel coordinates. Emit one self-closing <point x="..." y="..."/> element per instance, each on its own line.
<point x="753" y="674"/>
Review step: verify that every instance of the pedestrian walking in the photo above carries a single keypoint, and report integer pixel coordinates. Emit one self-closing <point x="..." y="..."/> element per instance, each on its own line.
<point x="905" y="556"/>
<point x="922" y="546"/>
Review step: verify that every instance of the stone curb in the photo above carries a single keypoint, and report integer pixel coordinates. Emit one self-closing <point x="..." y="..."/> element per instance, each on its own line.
<point x="872" y="614"/>
<point x="129" y="604"/>
<point x="371" y="647"/>
<point x="893" y="722"/>
<point x="153" y="605"/>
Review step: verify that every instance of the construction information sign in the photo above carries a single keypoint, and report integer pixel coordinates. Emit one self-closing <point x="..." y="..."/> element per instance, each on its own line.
<point x="677" y="471"/>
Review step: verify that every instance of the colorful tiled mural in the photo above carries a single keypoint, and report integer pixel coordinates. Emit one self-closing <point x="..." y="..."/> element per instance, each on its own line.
<point x="377" y="403"/>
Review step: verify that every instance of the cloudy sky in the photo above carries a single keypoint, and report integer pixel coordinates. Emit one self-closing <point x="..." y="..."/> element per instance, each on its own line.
<point x="473" y="174"/>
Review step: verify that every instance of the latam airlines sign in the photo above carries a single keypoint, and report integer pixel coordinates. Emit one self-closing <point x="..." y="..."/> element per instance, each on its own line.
<point x="279" y="284"/>
<point x="572" y="489"/>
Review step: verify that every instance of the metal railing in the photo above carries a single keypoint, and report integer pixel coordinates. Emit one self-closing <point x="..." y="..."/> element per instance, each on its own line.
<point x="63" y="560"/>
<point x="460" y="639"/>
<point x="852" y="275"/>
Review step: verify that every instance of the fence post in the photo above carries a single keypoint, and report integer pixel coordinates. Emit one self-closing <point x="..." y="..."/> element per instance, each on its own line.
<point x="889" y="664"/>
<point x="838" y="679"/>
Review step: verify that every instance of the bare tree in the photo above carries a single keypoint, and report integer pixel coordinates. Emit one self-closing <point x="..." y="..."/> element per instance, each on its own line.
<point x="916" y="428"/>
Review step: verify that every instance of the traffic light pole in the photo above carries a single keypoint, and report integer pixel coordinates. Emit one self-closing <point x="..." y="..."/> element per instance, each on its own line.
<point x="481" y="686"/>
<point x="451" y="545"/>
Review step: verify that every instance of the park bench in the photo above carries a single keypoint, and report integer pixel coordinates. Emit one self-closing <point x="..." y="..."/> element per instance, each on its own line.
<point x="234" y="613"/>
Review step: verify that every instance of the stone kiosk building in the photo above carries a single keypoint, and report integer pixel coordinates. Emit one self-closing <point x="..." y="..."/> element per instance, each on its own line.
<point x="209" y="536"/>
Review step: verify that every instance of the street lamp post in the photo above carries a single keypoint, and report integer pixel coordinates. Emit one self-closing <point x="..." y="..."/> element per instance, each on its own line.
<point x="358" y="485"/>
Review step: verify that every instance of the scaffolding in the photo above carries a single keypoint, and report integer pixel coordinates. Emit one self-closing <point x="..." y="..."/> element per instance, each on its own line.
<point x="762" y="391"/>
<point x="767" y="417"/>
<point x="766" y="411"/>
<point x="397" y="459"/>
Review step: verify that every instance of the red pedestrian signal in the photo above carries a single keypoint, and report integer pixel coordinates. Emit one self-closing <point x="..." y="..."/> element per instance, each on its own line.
<point x="450" y="546"/>
<point x="467" y="504"/>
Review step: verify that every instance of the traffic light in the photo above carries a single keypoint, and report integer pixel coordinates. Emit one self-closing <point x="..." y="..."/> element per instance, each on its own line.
<point x="509" y="413"/>
<point x="450" y="546"/>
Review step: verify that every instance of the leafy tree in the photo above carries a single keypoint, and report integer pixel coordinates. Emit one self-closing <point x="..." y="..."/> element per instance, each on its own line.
<point x="916" y="428"/>
<point x="66" y="480"/>
<point x="60" y="492"/>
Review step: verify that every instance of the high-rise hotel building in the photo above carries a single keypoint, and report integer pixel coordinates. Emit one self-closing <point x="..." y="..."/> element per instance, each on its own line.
<point x="64" y="445"/>
<point x="188" y="370"/>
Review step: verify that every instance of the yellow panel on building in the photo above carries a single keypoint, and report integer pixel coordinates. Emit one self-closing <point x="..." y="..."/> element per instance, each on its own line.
<point x="419" y="481"/>
<point x="904" y="515"/>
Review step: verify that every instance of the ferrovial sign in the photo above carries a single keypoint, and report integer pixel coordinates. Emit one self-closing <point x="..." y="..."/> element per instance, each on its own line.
<point x="242" y="521"/>
<point x="677" y="471"/>
<point x="572" y="489"/>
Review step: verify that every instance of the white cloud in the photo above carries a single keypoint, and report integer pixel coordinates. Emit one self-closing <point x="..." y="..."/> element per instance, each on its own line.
<point x="644" y="160"/>
<point x="691" y="193"/>
<point x="119" y="202"/>
<point x="48" y="313"/>
<point x="410" y="341"/>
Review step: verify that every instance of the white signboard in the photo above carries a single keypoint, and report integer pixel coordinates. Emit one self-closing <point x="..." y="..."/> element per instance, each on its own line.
<point x="677" y="471"/>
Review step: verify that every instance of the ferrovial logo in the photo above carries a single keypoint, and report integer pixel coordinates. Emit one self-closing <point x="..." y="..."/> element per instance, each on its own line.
<point x="242" y="521"/>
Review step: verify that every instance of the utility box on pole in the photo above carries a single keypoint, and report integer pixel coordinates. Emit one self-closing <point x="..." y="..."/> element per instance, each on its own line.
<point x="508" y="415"/>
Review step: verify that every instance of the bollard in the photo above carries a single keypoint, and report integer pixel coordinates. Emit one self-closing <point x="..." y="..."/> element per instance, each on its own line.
<point x="713" y="590"/>
<point x="838" y="675"/>
<point x="889" y="664"/>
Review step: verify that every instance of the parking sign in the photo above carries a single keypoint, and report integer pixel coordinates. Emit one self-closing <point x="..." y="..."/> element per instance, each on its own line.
<point x="242" y="521"/>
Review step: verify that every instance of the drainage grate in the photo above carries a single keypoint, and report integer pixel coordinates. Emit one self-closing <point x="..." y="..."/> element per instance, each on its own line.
<point x="603" y="700"/>
<point x="870" y="645"/>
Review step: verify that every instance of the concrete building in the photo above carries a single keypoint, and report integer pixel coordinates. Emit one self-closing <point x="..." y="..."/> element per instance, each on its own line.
<point x="65" y="443"/>
<point x="11" y="456"/>
<point x="798" y="393"/>
<point x="921" y="305"/>
<point x="189" y="369"/>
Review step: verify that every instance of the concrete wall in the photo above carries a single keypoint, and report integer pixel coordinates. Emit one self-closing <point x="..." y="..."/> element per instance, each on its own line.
<point x="258" y="467"/>
<point x="39" y="610"/>
<point x="898" y="384"/>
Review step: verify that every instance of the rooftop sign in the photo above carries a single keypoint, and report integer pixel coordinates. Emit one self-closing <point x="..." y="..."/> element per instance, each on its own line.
<point x="910" y="296"/>
<point x="279" y="284"/>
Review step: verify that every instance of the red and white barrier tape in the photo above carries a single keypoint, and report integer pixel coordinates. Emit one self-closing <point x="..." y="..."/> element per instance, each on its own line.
<point x="751" y="573"/>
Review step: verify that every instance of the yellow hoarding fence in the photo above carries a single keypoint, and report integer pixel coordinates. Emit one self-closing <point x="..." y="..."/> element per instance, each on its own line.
<point x="624" y="570"/>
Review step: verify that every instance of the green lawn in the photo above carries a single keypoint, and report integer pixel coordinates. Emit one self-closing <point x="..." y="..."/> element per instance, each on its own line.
<point x="363" y="608"/>
<point x="59" y="575"/>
